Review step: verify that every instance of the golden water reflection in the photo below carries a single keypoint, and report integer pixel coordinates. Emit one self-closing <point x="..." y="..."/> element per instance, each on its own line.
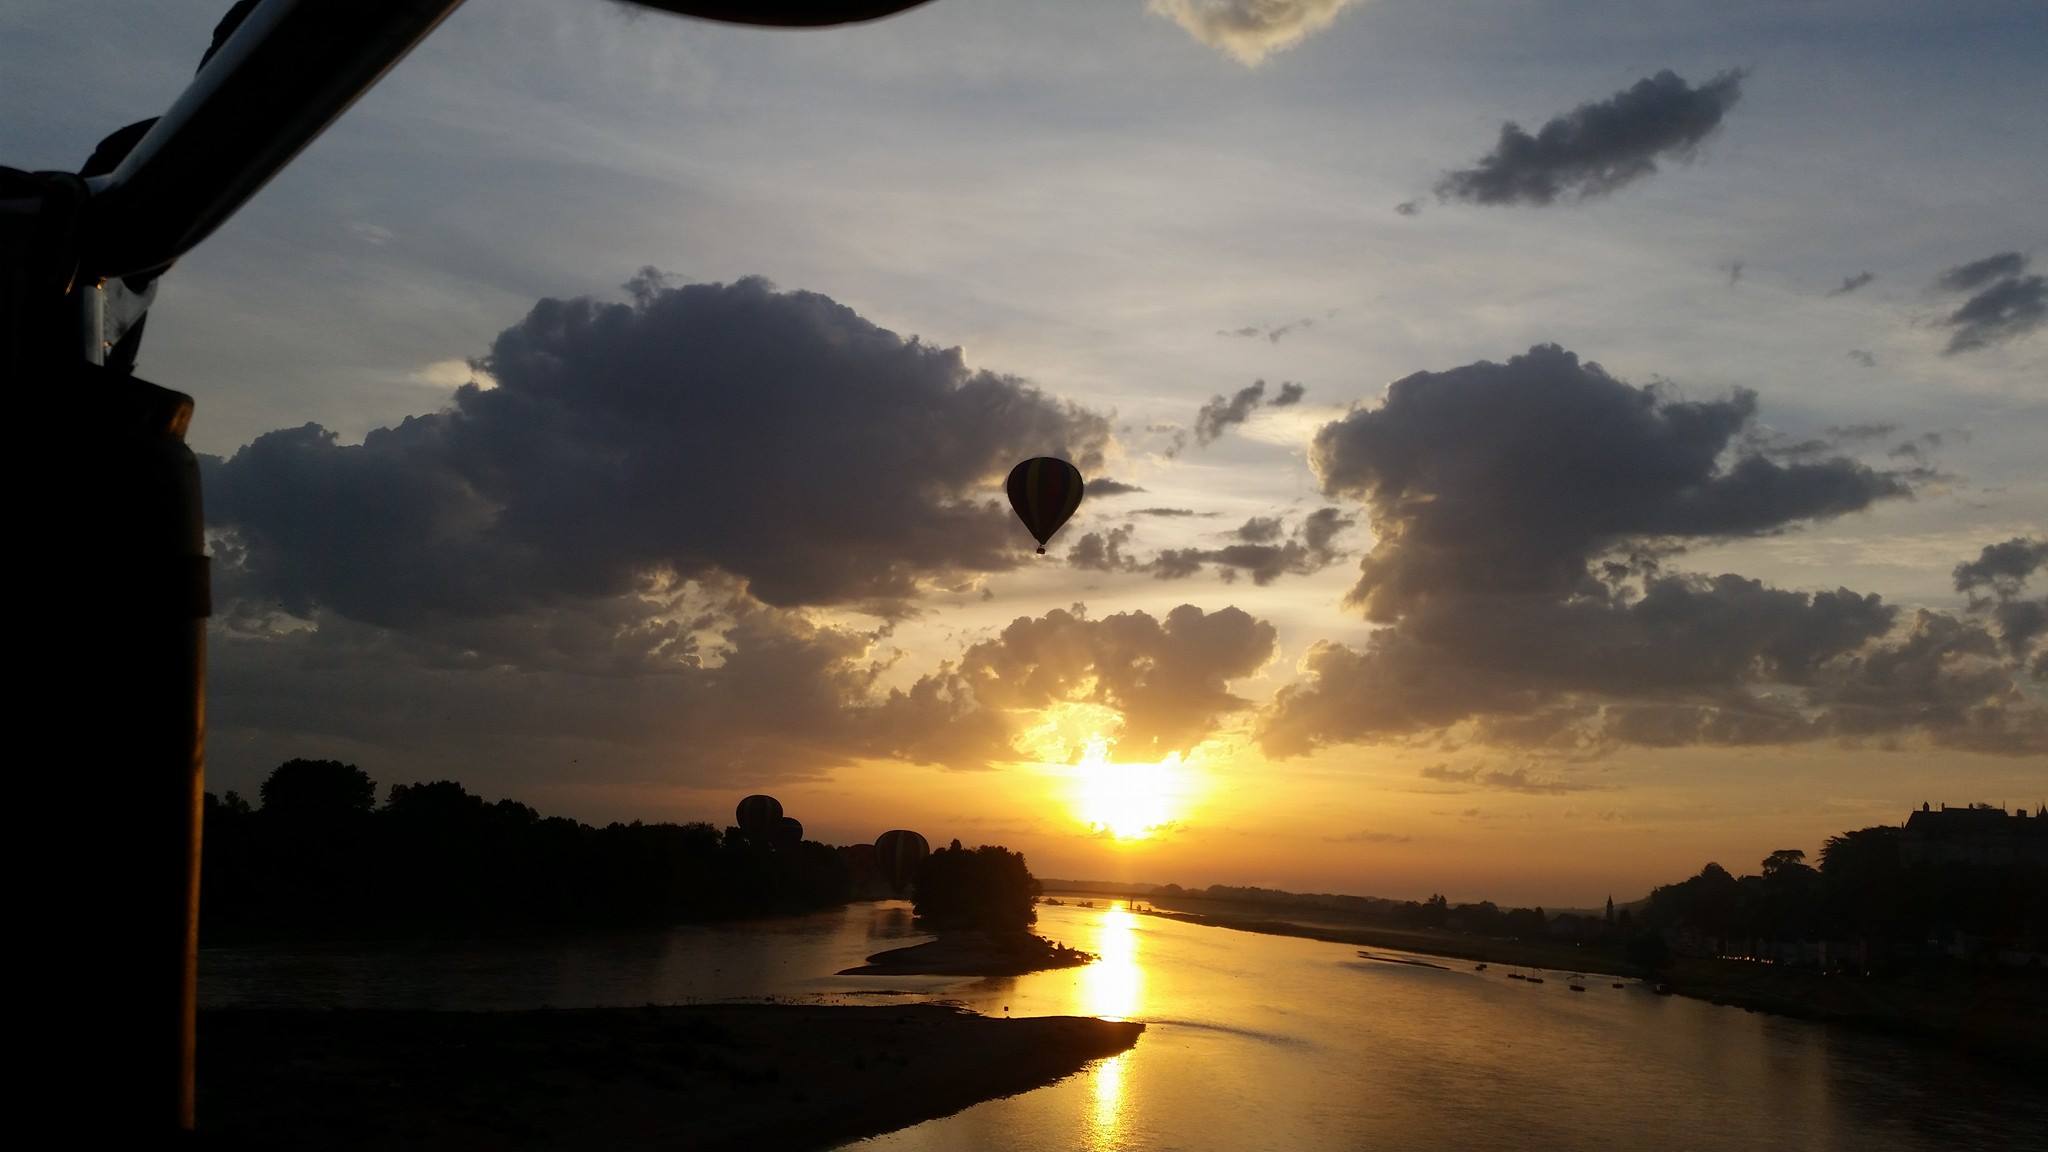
<point x="1107" y="1128"/>
<point x="1113" y="987"/>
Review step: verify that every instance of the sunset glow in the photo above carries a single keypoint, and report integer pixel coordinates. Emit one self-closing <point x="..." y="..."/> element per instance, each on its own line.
<point x="1126" y="801"/>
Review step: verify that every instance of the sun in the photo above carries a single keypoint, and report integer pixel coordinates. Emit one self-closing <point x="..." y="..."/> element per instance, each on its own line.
<point x="1125" y="801"/>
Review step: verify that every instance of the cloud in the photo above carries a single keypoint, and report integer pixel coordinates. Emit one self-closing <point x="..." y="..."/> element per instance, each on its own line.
<point x="1251" y="30"/>
<point x="1862" y="358"/>
<point x="1260" y="529"/>
<point x="1170" y="513"/>
<point x="1524" y="513"/>
<point x="605" y="556"/>
<point x="2003" y="567"/>
<point x="1734" y="270"/>
<point x="2005" y="305"/>
<point x="1220" y="415"/>
<point x="1273" y="334"/>
<point x="704" y="688"/>
<point x="1852" y="283"/>
<point x="1977" y="273"/>
<point x="1367" y="836"/>
<point x="1261" y="556"/>
<point x="697" y="430"/>
<point x="1510" y="478"/>
<point x="1598" y="147"/>
<point x="1168" y="679"/>
<point x="1409" y="208"/>
<point x="2004" y="570"/>
<point x="1106" y="487"/>
<point x="1501" y="780"/>
<point x="1102" y="551"/>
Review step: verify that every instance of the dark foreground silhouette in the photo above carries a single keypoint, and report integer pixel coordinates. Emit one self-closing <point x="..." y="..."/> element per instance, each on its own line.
<point x="707" y="1077"/>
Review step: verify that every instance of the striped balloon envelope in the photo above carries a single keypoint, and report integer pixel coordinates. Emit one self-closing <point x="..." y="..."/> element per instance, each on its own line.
<point x="788" y="832"/>
<point x="1044" y="490"/>
<point x="757" y="815"/>
<point x="899" y="852"/>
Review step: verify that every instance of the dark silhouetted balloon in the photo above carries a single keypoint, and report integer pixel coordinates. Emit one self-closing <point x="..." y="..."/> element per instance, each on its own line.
<point x="757" y="815"/>
<point x="788" y="832"/>
<point x="898" y="852"/>
<point x="1044" y="491"/>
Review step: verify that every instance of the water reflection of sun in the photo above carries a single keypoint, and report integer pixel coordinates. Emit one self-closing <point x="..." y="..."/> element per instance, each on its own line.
<point x="1113" y="986"/>
<point x="1125" y="801"/>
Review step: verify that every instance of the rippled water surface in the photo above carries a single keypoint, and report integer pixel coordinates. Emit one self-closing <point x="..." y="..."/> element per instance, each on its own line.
<point x="1262" y="1042"/>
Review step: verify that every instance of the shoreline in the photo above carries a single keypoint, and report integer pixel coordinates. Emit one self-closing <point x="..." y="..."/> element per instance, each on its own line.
<point x="711" y="1076"/>
<point x="1993" y="1014"/>
<point x="973" y="954"/>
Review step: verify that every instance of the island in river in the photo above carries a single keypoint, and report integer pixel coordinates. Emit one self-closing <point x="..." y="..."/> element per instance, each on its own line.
<point x="705" y="1076"/>
<point x="973" y="954"/>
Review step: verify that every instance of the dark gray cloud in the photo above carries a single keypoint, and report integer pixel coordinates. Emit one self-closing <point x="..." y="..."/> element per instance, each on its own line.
<point x="1170" y="513"/>
<point x="711" y="428"/>
<point x="1102" y="551"/>
<point x="1977" y="273"/>
<point x="1522" y="512"/>
<point x="1862" y="358"/>
<point x="1996" y="582"/>
<point x="1600" y="146"/>
<point x="1261" y="555"/>
<point x="2003" y="567"/>
<point x="1107" y="487"/>
<point x="2004" y="305"/>
<point x="1734" y="270"/>
<point x="1219" y="415"/>
<point x="1513" y="477"/>
<point x="1852" y="283"/>
<point x="1261" y="529"/>
<point x="1409" y="208"/>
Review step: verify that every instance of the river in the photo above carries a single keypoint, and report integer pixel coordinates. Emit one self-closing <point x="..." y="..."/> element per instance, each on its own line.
<point x="1259" y="1042"/>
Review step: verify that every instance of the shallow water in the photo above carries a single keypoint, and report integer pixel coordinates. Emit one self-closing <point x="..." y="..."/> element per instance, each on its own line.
<point x="1260" y="1042"/>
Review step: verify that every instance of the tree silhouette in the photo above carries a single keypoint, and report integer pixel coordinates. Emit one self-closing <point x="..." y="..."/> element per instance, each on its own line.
<point x="318" y="789"/>
<point x="987" y="888"/>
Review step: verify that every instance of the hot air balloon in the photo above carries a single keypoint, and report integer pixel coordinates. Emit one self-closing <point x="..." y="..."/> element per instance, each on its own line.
<point x="756" y="815"/>
<point x="1045" y="491"/>
<point x="899" y="852"/>
<point x="787" y="833"/>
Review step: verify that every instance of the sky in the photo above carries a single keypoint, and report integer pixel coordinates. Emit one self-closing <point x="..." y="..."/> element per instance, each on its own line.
<point x="1533" y="448"/>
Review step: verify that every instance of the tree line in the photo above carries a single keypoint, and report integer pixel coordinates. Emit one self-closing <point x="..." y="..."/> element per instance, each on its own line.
<point x="1867" y="894"/>
<point x="319" y="856"/>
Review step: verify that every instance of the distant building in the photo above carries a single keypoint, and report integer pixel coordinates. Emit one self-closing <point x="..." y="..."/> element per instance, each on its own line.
<point x="1977" y="834"/>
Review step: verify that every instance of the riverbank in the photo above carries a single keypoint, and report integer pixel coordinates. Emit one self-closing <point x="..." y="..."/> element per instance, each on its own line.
<point x="1553" y="954"/>
<point x="973" y="954"/>
<point x="725" y="1076"/>
<point x="1992" y="1013"/>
